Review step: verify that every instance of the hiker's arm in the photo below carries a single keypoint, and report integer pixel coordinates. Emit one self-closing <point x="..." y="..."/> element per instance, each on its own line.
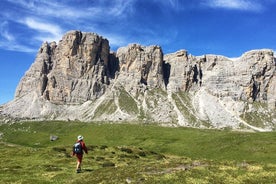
<point x="85" y="148"/>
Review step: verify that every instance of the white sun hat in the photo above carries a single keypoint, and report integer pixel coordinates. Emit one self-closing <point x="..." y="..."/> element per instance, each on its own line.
<point x="80" y="137"/>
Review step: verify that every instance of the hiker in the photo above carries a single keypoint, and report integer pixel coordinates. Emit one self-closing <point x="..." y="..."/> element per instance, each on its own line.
<point x="78" y="149"/>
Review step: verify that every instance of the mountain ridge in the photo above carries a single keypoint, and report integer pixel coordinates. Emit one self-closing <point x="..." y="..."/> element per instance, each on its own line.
<point x="81" y="79"/>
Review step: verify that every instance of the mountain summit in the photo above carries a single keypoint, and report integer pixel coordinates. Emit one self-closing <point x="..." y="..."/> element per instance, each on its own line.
<point x="80" y="79"/>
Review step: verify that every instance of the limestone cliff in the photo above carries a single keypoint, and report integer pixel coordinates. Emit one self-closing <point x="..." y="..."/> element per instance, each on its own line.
<point x="71" y="72"/>
<point x="79" y="79"/>
<point x="225" y="90"/>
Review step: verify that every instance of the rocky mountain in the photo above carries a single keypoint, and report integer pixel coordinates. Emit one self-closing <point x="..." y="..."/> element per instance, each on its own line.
<point x="81" y="79"/>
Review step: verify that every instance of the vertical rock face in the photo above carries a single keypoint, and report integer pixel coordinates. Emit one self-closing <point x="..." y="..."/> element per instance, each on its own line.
<point x="79" y="78"/>
<point x="259" y="69"/>
<point x="180" y="71"/>
<point x="222" y="88"/>
<point x="35" y="79"/>
<point x="71" y="72"/>
<point x="250" y="77"/>
<point x="246" y="78"/>
<point x="144" y="65"/>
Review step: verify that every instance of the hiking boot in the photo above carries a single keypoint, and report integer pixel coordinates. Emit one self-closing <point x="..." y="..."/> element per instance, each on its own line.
<point x="78" y="170"/>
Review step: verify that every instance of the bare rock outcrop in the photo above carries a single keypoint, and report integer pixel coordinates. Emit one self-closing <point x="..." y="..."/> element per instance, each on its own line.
<point x="80" y="79"/>
<point x="259" y="70"/>
<point x="250" y="77"/>
<point x="141" y="65"/>
<point x="35" y="78"/>
<point x="71" y="72"/>
<point x="222" y="88"/>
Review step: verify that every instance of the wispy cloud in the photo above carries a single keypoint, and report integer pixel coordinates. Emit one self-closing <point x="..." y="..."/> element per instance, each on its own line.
<point x="46" y="8"/>
<point x="120" y="7"/>
<point x="120" y="21"/>
<point x="14" y="46"/>
<point x="9" y="42"/>
<point x="174" y="4"/>
<point x="245" y="5"/>
<point x="53" y="32"/>
<point x="5" y="32"/>
<point x="65" y="10"/>
<point x="49" y="20"/>
<point x="171" y="5"/>
<point x="116" y="40"/>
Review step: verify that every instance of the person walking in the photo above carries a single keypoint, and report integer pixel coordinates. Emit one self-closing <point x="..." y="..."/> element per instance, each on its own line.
<point x="78" y="149"/>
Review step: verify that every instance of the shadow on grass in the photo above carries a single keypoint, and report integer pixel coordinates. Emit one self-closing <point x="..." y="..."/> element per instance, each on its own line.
<point x="87" y="170"/>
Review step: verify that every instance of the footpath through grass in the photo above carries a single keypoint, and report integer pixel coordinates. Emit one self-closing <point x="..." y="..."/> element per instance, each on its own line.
<point x="130" y="153"/>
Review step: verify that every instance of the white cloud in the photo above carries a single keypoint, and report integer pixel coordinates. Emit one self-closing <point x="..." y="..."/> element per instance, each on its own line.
<point x="246" y="5"/>
<point x="39" y="15"/>
<point x="49" y="20"/>
<point x="4" y="32"/>
<point x="116" y="40"/>
<point x="14" y="46"/>
<point x="174" y="3"/>
<point x="47" y="8"/>
<point x="8" y="40"/>
<point x="68" y="11"/>
<point x="42" y="26"/>
<point x="51" y="32"/>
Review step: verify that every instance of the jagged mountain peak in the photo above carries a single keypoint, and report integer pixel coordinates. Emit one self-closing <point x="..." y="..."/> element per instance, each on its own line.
<point x="80" y="79"/>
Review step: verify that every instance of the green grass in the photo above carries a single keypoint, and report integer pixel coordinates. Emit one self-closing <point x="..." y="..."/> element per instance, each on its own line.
<point x="127" y="103"/>
<point x="184" y="103"/>
<point x="261" y="116"/>
<point x="138" y="153"/>
<point x="154" y="99"/>
<point x="107" y="107"/>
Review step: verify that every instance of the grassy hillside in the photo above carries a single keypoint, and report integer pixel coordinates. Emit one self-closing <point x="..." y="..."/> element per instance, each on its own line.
<point x="129" y="153"/>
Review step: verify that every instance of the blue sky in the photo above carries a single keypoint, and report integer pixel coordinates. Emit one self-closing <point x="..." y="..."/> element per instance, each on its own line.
<point x="224" y="27"/>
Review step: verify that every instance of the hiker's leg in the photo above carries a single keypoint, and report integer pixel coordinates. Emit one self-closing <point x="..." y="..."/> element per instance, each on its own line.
<point x="78" y="165"/>
<point x="79" y="162"/>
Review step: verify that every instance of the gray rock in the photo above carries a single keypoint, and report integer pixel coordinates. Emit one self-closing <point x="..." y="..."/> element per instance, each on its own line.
<point x="79" y="79"/>
<point x="53" y="137"/>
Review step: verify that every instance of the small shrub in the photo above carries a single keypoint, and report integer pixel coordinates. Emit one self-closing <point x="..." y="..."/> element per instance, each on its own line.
<point x="108" y="164"/>
<point x="99" y="158"/>
<point x="142" y="154"/>
<point x="59" y="149"/>
<point x="160" y="157"/>
<point x="103" y="147"/>
<point x="92" y="147"/>
<point x="127" y="150"/>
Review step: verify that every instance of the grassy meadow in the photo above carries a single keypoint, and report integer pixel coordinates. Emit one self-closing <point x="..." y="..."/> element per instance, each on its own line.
<point x="132" y="153"/>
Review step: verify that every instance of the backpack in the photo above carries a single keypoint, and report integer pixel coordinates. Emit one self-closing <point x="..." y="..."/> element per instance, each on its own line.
<point x="77" y="148"/>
